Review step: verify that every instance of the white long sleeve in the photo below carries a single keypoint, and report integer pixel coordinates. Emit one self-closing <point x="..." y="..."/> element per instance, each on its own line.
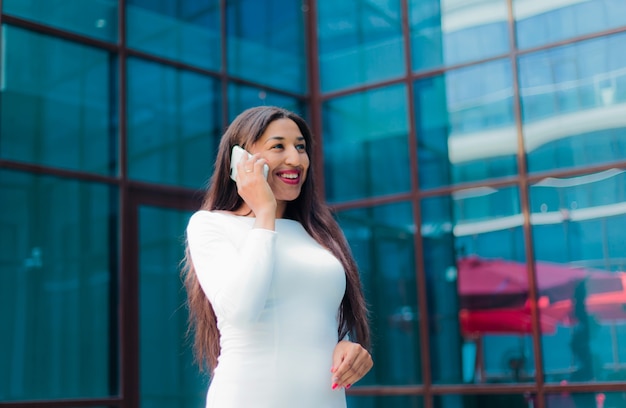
<point x="235" y="276"/>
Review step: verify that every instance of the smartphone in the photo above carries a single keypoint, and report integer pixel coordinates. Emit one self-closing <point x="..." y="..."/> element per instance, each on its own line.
<point x="235" y="158"/>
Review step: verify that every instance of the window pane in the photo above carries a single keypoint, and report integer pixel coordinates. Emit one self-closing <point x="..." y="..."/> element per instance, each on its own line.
<point x="267" y="36"/>
<point x="577" y="225"/>
<point x="168" y="375"/>
<point x="182" y="30"/>
<point x="174" y="124"/>
<point x="58" y="251"/>
<point x="382" y="240"/>
<point x="360" y="42"/>
<point x="476" y="274"/>
<point x="573" y="104"/>
<point x="402" y="401"/>
<point x="465" y="125"/>
<point x="55" y="106"/>
<point x="599" y="399"/>
<point x="451" y="32"/>
<point x="93" y="18"/>
<point x="543" y="22"/>
<point x="242" y="97"/>
<point x="366" y="144"/>
<point x="486" y="401"/>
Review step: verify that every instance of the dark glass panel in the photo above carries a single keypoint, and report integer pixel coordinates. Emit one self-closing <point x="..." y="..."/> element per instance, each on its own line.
<point x="56" y="103"/>
<point x="181" y="30"/>
<point x="168" y="375"/>
<point x="542" y="22"/>
<point x="360" y="42"/>
<point x="387" y="401"/>
<point x="485" y="401"/>
<point x="92" y="18"/>
<point x="58" y="252"/>
<point x="465" y="125"/>
<point x="577" y="225"/>
<point x="267" y="37"/>
<point x="242" y="97"/>
<point x="365" y="144"/>
<point x="382" y="240"/>
<point x="475" y="267"/>
<point x="573" y="104"/>
<point x="174" y="124"/>
<point x="455" y="32"/>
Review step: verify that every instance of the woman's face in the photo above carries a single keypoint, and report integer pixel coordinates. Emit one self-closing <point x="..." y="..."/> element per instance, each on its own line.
<point x="283" y="146"/>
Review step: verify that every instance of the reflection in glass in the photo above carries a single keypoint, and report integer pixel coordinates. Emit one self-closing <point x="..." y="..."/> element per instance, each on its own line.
<point x="56" y="107"/>
<point x="58" y="254"/>
<point x="382" y="240"/>
<point x="387" y="401"/>
<point x="578" y="223"/>
<point x="366" y="144"/>
<point x="93" y="18"/>
<point x="174" y="124"/>
<point x="573" y="104"/>
<point x="465" y="125"/>
<point x="182" y="30"/>
<point x="449" y="32"/>
<point x="168" y="375"/>
<point x="478" y="288"/>
<point x="542" y="22"/>
<point x="591" y="400"/>
<point x="360" y="42"/>
<point x="242" y="97"/>
<point x="267" y="37"/>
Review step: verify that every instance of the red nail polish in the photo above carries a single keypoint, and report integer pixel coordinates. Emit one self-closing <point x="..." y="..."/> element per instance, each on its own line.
<point x="348" y="386"/>
<point x="334" y="386"/>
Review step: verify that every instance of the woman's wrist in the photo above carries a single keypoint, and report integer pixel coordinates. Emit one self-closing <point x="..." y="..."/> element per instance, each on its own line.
<point x="265" y="219"/>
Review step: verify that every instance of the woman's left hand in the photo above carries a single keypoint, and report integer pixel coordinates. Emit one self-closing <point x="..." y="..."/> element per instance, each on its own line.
<point x="350" y="363"/>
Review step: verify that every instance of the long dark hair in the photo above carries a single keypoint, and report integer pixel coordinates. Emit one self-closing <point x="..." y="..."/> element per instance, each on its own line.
<point x="308" y="209"/>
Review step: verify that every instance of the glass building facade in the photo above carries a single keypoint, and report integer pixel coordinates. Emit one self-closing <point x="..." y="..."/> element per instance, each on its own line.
<point x="474" y="153"/>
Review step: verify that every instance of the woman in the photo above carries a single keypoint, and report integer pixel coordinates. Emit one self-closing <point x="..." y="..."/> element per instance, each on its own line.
<point x="274" y="294"/>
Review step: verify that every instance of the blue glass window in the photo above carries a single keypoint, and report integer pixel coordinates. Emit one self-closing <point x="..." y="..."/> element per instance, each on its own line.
<point x="477" y="285"/>
<point x="242" y="97"/>
<point x="382" y="240"/>
<point x="182" y="30"/>
<point x="174" y="124"/>
<point x="366" y="144"/>
<point x="465" y="125"/>
<point x="573" y="104"/>
<point x="543" y="22"/>
<point x="577" y="226"/>
<point x="386" y="401"/>
<point x="58" y="309"/>
<point x="487" y="401"/>
<point x="168" y="375"/>
<point x="93" y="18"/>
<point x="266" y="43"/>
<point x="360" y="42"/>
<point x="454" y="32"/>
<point x="56" y="104"/>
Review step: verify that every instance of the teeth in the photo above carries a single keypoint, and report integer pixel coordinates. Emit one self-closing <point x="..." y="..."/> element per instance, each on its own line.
<point x="289" y="176"/>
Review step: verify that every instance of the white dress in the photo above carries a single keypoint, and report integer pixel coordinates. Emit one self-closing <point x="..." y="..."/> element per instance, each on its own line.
<point x="276" y="295"/>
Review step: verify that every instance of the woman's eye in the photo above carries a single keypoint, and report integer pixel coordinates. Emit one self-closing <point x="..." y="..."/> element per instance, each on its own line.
<point x="301" y="147"/>
<point x="277" y="146"/>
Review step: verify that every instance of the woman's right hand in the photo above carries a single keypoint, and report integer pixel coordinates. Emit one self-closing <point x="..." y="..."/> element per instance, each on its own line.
<point x="254" y="188"/>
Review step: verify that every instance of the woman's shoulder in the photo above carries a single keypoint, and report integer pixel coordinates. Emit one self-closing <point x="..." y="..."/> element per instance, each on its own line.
<point x="216" y="218"/>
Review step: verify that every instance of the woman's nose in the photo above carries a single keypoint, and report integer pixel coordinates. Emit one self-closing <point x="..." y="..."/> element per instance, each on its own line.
<point x="293" y="157"/>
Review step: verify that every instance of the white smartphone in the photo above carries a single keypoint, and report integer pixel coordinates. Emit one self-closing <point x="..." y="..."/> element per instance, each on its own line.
<point x="235" y="158"/>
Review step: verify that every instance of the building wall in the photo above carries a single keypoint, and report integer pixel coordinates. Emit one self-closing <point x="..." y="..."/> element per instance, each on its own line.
<point x="474" y="152"/>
